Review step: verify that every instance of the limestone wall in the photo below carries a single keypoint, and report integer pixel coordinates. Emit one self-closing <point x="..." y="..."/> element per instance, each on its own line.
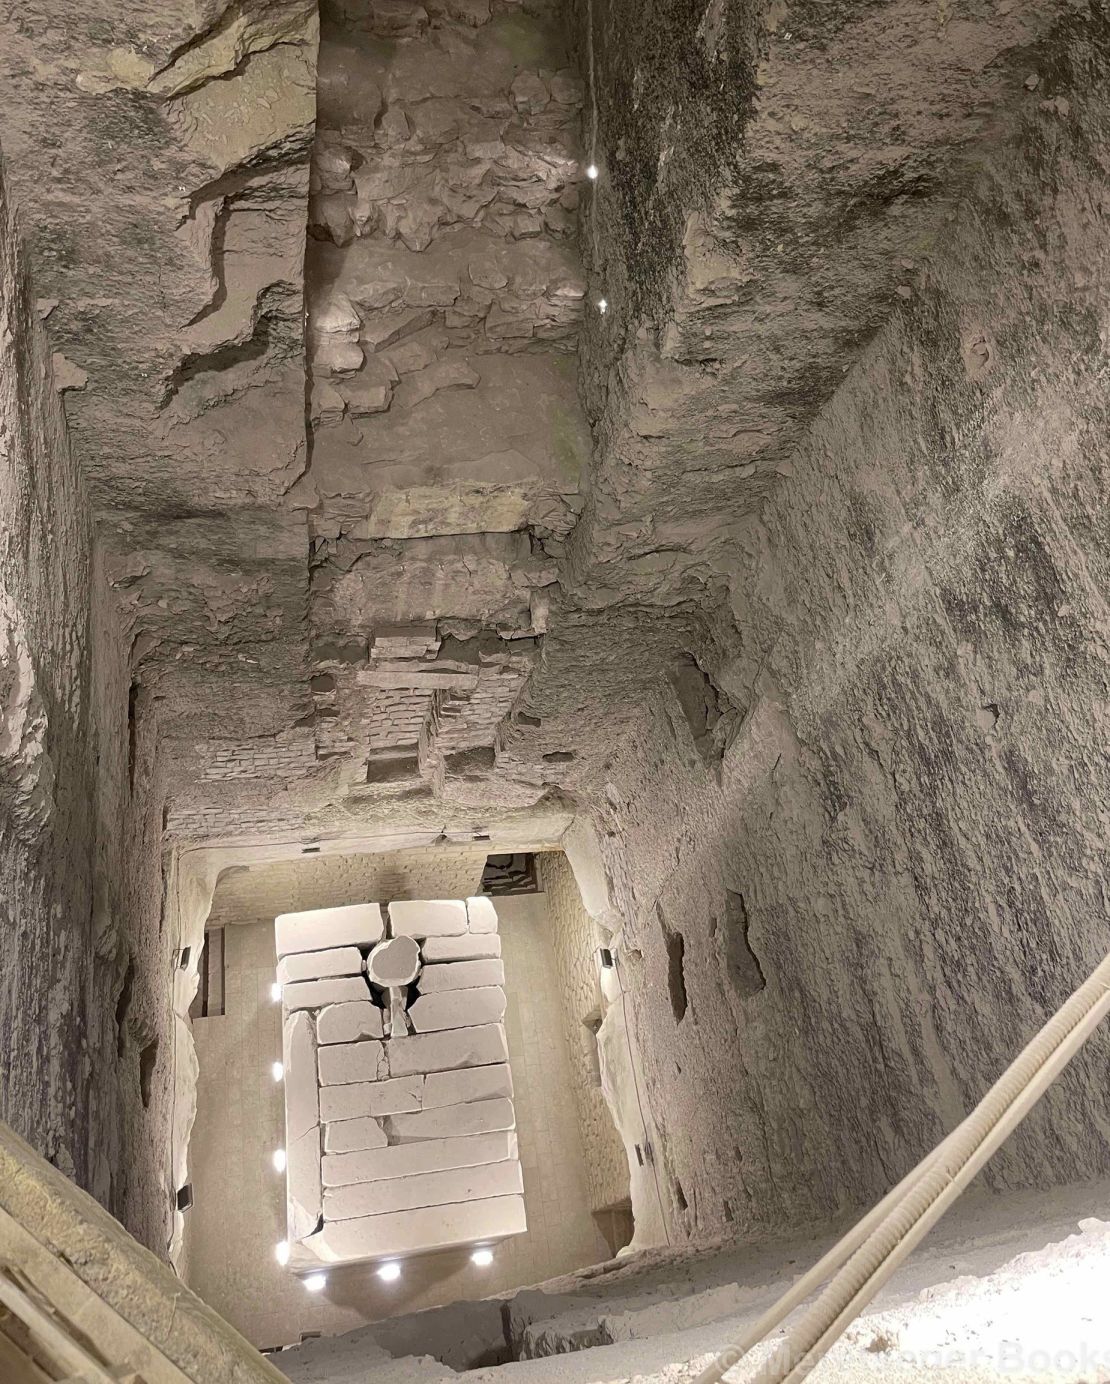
<point x="858" y="834"/>
<point x="574" y="938"/>
<point x="83" y="1012"/>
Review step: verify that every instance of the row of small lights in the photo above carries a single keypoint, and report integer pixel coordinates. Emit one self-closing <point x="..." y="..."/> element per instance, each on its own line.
<point x="593" y="172"/>
<point x="390" y="1271"/>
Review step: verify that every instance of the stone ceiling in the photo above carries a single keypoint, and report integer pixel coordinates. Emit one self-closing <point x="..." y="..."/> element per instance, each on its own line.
<point x="402" y="527"/>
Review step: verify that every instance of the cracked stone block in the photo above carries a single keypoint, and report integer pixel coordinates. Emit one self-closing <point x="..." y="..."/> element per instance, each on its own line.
<point x="303" y="1187"/>
<point x="425" y="1189"/>
<point x="428" y="918"/>
<point x="452" y="1121"/>
<point x="406" y="1160"/>
<point x="414" y="1232"/>
<point x="302" y="1092"/>
<point x="481" y="916"/>
<point x="467" y="948"/>
<point x="347" y="1023"/>
<point x="394" y="1096"/>
<point x="319" y="965"/>
<point x="346" y="1063"/>
<point x="348" y="1102"/>
<point x="349" y="1136"/>
<point x="395" y="962"/>
<point x="469" y="1084"/>
<point x="462" y="975"/>
<point x="317" y="929"/>
<point x="443" y="1052"/>
<point x="458" y="1009"/>
<point x="315" y="994"/>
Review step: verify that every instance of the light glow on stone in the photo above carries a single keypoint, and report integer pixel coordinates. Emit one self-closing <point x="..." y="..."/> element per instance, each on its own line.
<point x="389" y="1273"/>
<point x="281" y="1252"/>
<point x="482" y="1257"/>
<point x="592" y="172"/>
<point x="279" y="1160"/>
<point x="315" y="1282"/>
<point x="275" y="991"/>
<point x="277" y="1070"/>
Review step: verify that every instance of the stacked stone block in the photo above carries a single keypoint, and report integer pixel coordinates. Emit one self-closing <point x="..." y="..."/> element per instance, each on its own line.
<point x="400" y="1128"/>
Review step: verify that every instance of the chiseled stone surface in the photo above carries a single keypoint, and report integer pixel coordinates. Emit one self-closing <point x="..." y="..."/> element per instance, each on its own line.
<point x="461" y="975"/>
<point x="337" y="961"/>
<point x="301" y="1088"/>
<point x="406" y="1160"/>
<point x="803" y="609"/>
<point x="456" y="1009"/>
<point x="428" y="917"/>
<point x="468" y="948"/>
<point x="442" y="1052"/>
<point x="345" y="1063"/>
<point x="425" y="1189"/>
<point x="481" y="915"/>
<point x="347" y="1102"/>
<point x="413" y="1232"/>
<point x="472" y="1083"/>
<point x="350" y="1136"/>
<point x="315" y="994"/>
<point x="320" y="929"/>
<point x="347" y="1023"/>
<point x="452" y="1121"/>
<point x="86" y="1030"/>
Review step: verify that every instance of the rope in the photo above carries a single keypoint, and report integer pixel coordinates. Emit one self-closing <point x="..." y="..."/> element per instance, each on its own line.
<point x="867" y="1256"/>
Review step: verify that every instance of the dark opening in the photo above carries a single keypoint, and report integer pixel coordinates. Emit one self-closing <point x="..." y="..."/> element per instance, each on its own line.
<point x="132" y="733"/>
<point x="148" y="1060"/>
<point x="209" y="1000"/>
<point x="745" y="972"/>
<point x="510" y="874"/>
<point x="123" y="1004"/>
<point x="676" y="980"/>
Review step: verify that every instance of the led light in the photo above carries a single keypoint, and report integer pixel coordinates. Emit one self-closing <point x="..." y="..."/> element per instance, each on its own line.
<point x="602" y="305"/>
<point x="275" y="991"/>
<point x="315" y="1282"/>
<point x="591" y="172"/>
<point x="482" y="1257"/>
<point x="277" y="1071"/>
<point x="389" y="1273"/>
<point x="281" y="1252"/>
<point x="279" y="1160"/>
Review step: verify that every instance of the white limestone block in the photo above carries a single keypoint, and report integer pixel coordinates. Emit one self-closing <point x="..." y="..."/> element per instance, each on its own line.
<point x="428" y="917"/>
<point x="481" y="916"/>
<point x="303" y="1189"/>
<point x="471" y="1083"/>
<point x="458" y="1009"/>
<point x="349" y="1136"/>
<point x="444" y="1052"/>
<point x="470" y="947"/>
<point x="318" y="965"/>
<point x="314" y="994"/>
<point x="394" y="962"/>
<point x="394" y="1097"/>
<point x="346" y="1102"/>
<point x="302" y="1090"/>
<point x="353" y="925"/>
<point x="452" y="1121"/>
<point x="425" y="1189"/>
<point x="347" y="1023"/>
<point x="414" y="1232"/>
<point x="343" y="1064"/>
<point x="461" y="975"/>
<point x="406" y="1160"/>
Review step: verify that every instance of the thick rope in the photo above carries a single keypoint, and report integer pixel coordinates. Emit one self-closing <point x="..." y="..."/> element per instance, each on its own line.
<point x="866" y="1257"/>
